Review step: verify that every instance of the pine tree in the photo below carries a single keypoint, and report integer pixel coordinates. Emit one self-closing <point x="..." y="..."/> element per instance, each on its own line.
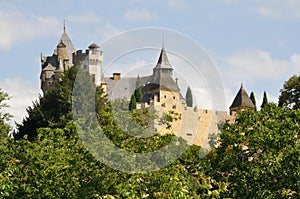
<point x="138" y="90"/>
<point x="252" y="97"/>
<point x="265" y="100"/>
<point x="189" y="97"/>
<point x="132" y="103"/>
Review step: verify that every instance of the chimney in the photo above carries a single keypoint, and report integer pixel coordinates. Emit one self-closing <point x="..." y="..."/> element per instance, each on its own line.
<point x="116" y="76"/>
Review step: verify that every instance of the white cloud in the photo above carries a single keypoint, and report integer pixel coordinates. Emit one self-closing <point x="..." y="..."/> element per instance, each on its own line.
<point x="230" y="1"/>
<point x="17" y="27"/>
<point x="259" y="71"/>
<point x="108" y="30"/>
<point x="278" y="8"/>
<point x="176" y="3"/>
<point x="140" y="15"/>
<point x="23" y="93"/>
<point x="268" y="12"/>
<point x="257" y="65"/>
<point x="84" y="18"/>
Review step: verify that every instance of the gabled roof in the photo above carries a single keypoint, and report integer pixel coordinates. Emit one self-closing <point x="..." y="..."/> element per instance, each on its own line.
<point x="49" y="61"/>
<point x="242" y="99"/>
<point x="163" y="61"/>
<point x="49" y="67"/>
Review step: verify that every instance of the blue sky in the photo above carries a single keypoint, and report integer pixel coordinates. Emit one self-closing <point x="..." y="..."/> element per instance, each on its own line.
<point x="255" y="42"/>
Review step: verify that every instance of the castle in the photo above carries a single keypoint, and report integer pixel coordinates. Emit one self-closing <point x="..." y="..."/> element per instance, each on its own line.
<point x="159" y="91"/>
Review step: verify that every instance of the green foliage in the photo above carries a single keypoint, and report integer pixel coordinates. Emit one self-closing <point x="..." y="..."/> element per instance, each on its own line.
<point x="259" y="154"/>
<point x="169" y="118"/>
<point x="51" y="110"/>
<point x="252" y="97"/>
<point x="138" y="91"/>
<point x="4" y="116"/>
<point x="265" y="100"/>
<point x="290" y="93"/>
<point x="57" y="165"/>
<point x="189" y="97"/>
<point x="132" y="103"/>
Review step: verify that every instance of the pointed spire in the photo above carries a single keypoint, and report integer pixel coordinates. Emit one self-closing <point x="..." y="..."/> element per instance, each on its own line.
<point x="65" y="39"/>
<point x="242" y="99"/>
<point x="163" y="61"/>
<point x="64" y="25"/>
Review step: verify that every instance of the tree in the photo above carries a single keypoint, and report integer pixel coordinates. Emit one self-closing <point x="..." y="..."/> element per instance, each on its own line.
<point x="138" y="90"/>
<point x="189" y="97"/>
<point x="51" y="110"/>
<point x="132" y="103"/>
<point x="265" y="100"/>
<point x="290" y="93"/>
<point x="4" y="116"/>
<point x="252" y="97"/>
<point x="259" y="154"/>
<point x="56" y="164"/>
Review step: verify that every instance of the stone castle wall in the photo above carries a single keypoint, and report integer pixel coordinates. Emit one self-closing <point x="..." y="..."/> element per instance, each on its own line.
<point x="194" y="125"/>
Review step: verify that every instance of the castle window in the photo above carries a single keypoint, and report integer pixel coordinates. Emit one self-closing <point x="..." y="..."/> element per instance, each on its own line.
<point x="163" y="105"/>
<point x="165" y="96"/>
<point x="94" y="78"/>
<point x="189" y="134"/>
<point x="174" y="107"/>
<point x="174" y="97"/>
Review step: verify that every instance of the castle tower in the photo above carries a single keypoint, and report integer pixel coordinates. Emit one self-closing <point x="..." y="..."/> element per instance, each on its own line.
<point x="162" y="86"/>
<point x="61" y="51"/>
<point x="241" y="101"/>
<point x="91" y="61"/>
<point x="70" y="49"/>
<point x="65" y="52"/>
<point x="58" y="62"/>
<point x="163" y="66"/>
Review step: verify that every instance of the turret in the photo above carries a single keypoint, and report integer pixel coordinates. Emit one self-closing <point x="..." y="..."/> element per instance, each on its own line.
<point x="241" y="101"/>
<point x="61" y="51"/>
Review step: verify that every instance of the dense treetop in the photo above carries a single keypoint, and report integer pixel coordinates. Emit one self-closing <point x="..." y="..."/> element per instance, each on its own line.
<point x="258" y="155"/>
<point x="290" y="93"/>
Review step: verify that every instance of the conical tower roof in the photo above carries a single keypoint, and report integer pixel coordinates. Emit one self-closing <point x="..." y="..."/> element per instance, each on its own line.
<point x="65" y="39"/>
<point x="163" y="72"/>
<point x="163" y="61"/>
<point x="242" y="99"/>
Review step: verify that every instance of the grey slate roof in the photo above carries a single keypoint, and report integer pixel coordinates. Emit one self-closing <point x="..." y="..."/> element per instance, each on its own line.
<point x="49" y="62"/>
<point x="124" y="87"/>
<point x="163" y="61"/>
<point x="93" y="45"/>
<point x="69" y="45"/>
<point x="49" y="67"/>
<point x="242" y="99"/>
<point x="166" y="81"/>
<point x="162" y="73"/>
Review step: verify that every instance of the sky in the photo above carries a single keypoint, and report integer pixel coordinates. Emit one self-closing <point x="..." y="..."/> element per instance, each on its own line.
<point x="251" y="42"/>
